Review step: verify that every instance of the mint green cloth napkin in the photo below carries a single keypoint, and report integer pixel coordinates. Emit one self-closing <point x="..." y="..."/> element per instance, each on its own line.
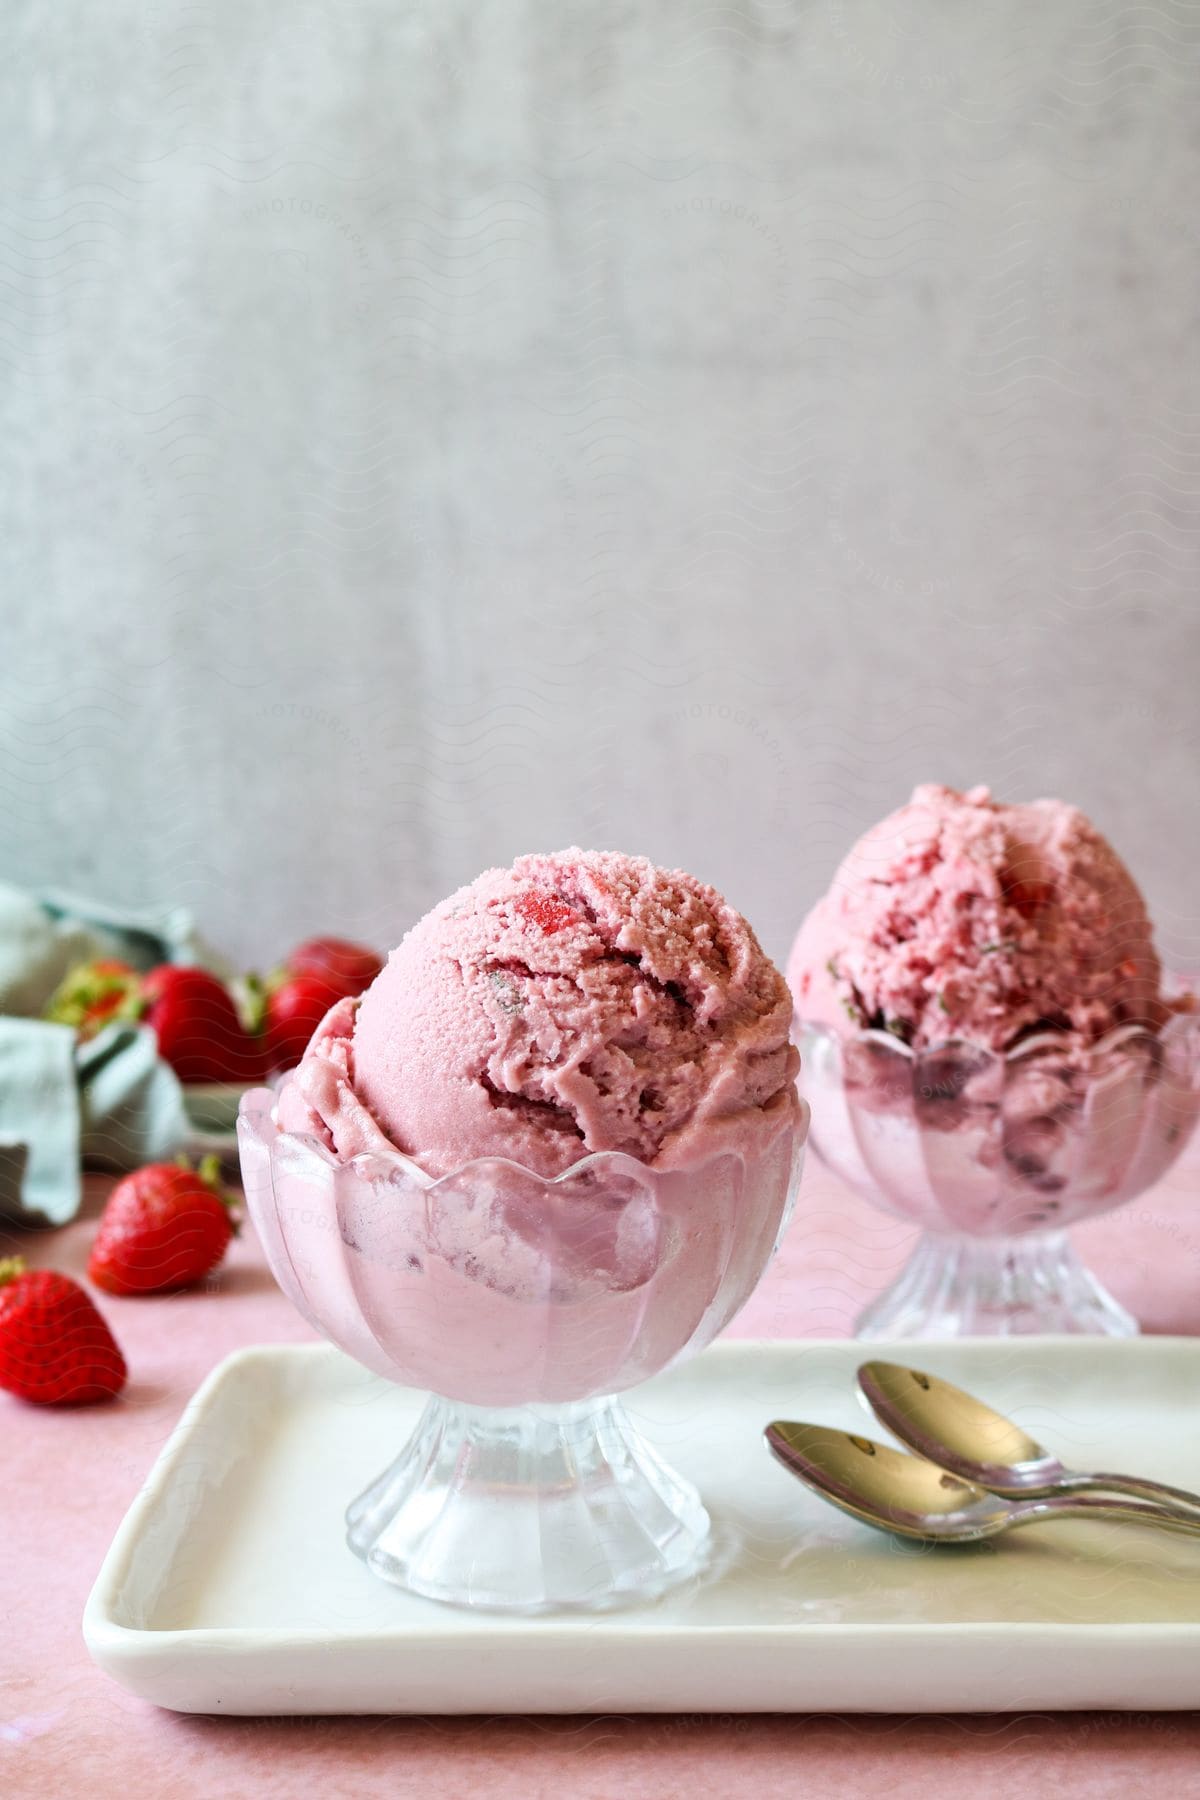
<point x="131" y="1102"/>
<point x="39" y="1114"/>
<point x="111" y="1099"/>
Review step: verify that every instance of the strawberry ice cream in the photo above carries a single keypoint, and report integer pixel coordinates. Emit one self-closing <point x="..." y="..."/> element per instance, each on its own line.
<point x="959" y="917"/>
<point x="550" y="1148"/>
<point x="546" y="1154"/>
<point x="987" y="1050"/>
<point x="577" y="1002"/>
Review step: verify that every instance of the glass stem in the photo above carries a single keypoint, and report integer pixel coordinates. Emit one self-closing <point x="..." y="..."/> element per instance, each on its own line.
<point x="529" y="1509"/>
<point x="954" y="1286"/>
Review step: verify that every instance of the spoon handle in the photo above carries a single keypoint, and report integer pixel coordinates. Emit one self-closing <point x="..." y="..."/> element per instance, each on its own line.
<point x="1087" y="1506"/>
<point x="1170" y="1497"/>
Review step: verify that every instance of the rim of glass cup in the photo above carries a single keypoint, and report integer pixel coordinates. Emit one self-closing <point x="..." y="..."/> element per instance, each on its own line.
<point x="618" y="1162"/>
<point x="1176" y="1024"/>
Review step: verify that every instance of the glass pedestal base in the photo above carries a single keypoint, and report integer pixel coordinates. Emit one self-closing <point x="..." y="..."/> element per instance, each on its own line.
<point x="994" y="1287"/>
<point x="530" y="1509"/>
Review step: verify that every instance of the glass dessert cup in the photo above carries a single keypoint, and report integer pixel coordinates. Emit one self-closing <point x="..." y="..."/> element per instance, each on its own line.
<point x="994" y="1155"/>
<point x="525" y="1306"/>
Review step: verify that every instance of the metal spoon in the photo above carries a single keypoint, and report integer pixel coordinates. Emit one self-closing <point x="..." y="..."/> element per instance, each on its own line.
<point x="960" y="1433"/>
<point x="907" y="1495"/>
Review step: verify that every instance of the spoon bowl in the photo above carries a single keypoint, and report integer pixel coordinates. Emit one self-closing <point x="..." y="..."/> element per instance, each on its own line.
<point x="884" y="1487"/>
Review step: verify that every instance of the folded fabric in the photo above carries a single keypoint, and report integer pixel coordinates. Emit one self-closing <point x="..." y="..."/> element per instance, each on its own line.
<point x="37" y="947"/>
<point x="39" y="1111"/>
<point x="131" y="1102"/>
<point x="111" y="1099"/>
<point x="140" y="938"/>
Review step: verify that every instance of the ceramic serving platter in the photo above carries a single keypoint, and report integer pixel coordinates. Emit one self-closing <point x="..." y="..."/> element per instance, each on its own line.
<point x="229" y="1587"/>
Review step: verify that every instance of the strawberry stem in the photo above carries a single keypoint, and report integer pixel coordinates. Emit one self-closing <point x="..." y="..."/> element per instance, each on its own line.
<point x="210" y="1174"/>
<point x="250" y="997"/>
<point x="10" y="1268"/>
<point x="94" y="994"/>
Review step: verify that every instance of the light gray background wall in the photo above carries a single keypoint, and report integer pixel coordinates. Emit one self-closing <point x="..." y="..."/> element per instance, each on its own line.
<point x="434" y="431"/>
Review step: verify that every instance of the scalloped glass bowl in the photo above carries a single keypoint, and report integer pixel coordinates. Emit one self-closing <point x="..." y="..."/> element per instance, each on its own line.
<point x="994" y="1155"/>
<point x="525" y="1306"/>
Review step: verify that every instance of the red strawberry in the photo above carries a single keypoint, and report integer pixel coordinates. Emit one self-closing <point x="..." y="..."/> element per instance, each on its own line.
<point x="347" y="967"/>
<point x="295" y="998"/>
<point x="54" y="1346"/>
<point x="198" y="1028"/>
<point x="294" y="1009"/>
<point x="164" y="1227"/>
<point x="94" y="994"/>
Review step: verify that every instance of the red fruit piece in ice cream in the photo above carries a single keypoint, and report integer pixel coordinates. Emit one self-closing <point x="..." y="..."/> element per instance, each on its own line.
<point x="549" y="912"/>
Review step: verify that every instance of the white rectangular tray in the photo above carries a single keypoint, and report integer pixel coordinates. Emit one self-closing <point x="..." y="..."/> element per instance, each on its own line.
<point x="229" y="1587"/>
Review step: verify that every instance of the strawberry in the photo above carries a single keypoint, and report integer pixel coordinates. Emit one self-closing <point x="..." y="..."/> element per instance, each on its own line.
<point x="198" y="1028"/>
<point x="165" y="1226"/>
<point x="294" y="1009"/>
<point x="54" y="1346"/>
<point x="295" y="998"/>
<point x="348" y="968"/>
<point x="94" y="994"/>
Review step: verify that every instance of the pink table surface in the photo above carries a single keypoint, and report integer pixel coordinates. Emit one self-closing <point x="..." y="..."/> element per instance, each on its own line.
<point x="67" y="1478"/>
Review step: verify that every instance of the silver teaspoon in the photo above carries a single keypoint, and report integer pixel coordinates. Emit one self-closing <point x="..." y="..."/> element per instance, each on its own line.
<point x="959" y="1433"/>
<point x="911" y="1497"/>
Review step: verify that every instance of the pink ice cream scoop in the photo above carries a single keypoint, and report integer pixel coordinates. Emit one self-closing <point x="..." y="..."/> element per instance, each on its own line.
<point x="988" y="1054"/>
<point x="959" y="917"/>
<point x="550" y="1148"/>
<point x="576" y="1002"/>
